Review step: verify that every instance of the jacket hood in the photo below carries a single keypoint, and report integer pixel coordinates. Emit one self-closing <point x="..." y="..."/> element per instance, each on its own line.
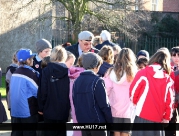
<point x="74" y="72"/>
<point x="57" y="70"/>
<point x="155" y="71"/>
<point x="114" y="78"/>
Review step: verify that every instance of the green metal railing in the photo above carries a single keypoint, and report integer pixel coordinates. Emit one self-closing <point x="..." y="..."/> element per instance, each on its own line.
<point x="151" y="44"/>
<point x="147" y="43"/>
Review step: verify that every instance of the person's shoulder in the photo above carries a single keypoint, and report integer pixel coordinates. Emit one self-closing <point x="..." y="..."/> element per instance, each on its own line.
<point x="74" y="46"/>
<point x="97" y="78"/>
<point x="111" y="43"/>
<point x="95" y="50"/>
<point x="98" y="47"/>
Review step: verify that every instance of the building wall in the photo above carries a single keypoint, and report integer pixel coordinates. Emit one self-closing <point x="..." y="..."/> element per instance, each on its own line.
<point x="171" y="5"/>
<point x="163" y="5"/>
<point x="148" y="5"/>
<point x="21" y="27"/>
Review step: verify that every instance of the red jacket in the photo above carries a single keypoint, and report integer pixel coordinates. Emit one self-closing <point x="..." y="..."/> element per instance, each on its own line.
<point x="152" y="92"/>
<point x="176" y="79"/>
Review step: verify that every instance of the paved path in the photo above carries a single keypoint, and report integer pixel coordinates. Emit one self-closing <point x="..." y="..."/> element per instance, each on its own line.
<point x="8" y="133"/>
<point x="69" y="133"/>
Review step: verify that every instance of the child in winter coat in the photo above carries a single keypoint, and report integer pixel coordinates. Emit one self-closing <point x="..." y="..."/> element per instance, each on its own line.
<point x="53" y="98"/>
<point x="23" y="89"/>
<point x="9" y="71"/>
<point x="174" y="64"/>
<point x="117" y="81"/>
<point x="43" y="48"/>
<point x="153" y="94"/>
<point x="89" y="97"/>
<point x="107" y="54"/>
<point x="73" y="74"/>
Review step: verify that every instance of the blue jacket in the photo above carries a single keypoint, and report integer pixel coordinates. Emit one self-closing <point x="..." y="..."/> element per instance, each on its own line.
<point x="103" y="68"/>
<point x="108" y="43"/>
<point x="23" y="92"/>
<point x="90" y="100"/>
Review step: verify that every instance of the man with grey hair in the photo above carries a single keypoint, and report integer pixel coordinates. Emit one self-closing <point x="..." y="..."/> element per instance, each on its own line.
<point x="106" y="40"/>
<point x="85" y="39"/>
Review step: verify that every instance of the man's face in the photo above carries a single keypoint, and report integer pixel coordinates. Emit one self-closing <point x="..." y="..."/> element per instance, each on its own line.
<point x="85" y="45"/>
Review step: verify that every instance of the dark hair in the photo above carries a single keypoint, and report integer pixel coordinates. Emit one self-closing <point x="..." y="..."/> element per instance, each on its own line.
<point x="175" y="50"/>
<point x="66" y="44"/>
<point x="45" y="61"/>
<point x="143" y="61"/>
<point x="25" y="62"/>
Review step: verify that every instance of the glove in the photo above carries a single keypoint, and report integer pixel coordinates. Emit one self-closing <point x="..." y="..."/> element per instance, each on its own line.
<point x="165" y="122"/>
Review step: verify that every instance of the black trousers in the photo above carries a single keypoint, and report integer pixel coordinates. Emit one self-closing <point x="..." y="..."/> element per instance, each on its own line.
<point x="54" y="133"/>
<point x="173" y="120"/>
<point x="93" y="133"/>
<point x="31" y="119"/>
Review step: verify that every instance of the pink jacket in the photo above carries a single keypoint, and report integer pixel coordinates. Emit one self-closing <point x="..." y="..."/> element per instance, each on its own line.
<point x="118" y="94"/>
<point x="73" y="73"/>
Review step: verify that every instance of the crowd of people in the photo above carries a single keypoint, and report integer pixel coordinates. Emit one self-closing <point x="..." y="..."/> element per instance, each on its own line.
<point x="99" y="83"/>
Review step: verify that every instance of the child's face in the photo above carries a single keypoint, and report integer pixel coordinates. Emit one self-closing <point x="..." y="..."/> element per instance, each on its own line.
<point x="141" y="66"/>
<point x="175" y="58"/>
<point x="45" y="53"/>
<point x="69" y="63"/>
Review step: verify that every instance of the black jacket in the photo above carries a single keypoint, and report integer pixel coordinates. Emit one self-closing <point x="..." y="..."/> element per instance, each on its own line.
<point x="37" y="65"/>
<point x="53" y="96"/>
<point x="99" y="46"/>
<point x="3" y="115"/>
<point x="74" y="49"/>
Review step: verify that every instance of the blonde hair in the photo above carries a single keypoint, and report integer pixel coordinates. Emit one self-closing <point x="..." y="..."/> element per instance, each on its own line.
<point x="116" y="48"/>
<point x="107" y="54"/>
<point x="97" y="40"/>
<point x="70" y="55"/>
<point x="79" y="62"/>
<point x="162" y="57"/>
<point x="125" y="63"/>
<point x="58" y="54"/>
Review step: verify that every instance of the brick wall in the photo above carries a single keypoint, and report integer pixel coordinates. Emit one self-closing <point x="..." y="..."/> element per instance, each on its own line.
<point x="171" y="5"/>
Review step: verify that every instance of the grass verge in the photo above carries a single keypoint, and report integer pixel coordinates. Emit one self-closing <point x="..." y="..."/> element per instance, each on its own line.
<point x="3" y="87"/>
